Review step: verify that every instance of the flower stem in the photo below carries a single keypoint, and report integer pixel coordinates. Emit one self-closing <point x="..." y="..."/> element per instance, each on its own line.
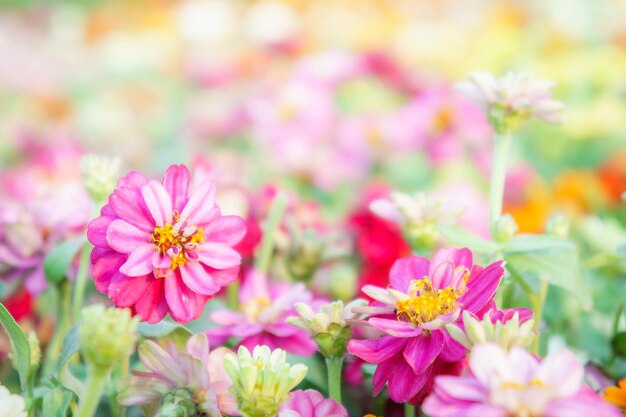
<point x="124" y="365"/>
<point x="334" y="366"/>
<point x="64" y="291"/>
<point x="409" y="410"/>
<point x="501" y="148"/>
<point x="537" y="302"/>
<point x="81" y="282"/>
<point x="269" y="232"/>
<point x="96" y="381"/>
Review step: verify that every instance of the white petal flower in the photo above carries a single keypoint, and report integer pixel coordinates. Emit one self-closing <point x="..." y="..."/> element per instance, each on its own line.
<point x="512" y="98"/>
<point x="11" y="405"/>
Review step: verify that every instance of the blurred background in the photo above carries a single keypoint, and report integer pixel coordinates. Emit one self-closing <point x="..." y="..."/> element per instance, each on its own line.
<point x="338" y="102"/>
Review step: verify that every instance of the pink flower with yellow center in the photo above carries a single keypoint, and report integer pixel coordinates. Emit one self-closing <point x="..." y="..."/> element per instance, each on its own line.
<point x="164" y="247"/>
<point x="517" y="384"/>
<point x="411" y="314"/>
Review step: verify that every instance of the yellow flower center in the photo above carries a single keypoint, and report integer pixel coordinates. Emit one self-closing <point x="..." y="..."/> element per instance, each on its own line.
<point x="443" y="120"/>
<point x="174" y="243"/>
<point x="426" y="304"/>
<point x="253" y="308"/>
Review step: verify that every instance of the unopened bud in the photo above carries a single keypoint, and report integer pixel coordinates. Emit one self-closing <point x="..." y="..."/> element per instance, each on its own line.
<point x="558" y="226"/>
<point x="99" y="173"/>
<point x="505" y="228"/>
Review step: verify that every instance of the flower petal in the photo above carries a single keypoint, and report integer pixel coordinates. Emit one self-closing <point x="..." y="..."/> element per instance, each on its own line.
<point x="198" y="281"/>
<point x="218" y="255"/>
<point x="176" y="183"/>
<point x="405" y="270"/>
<point x="482" y="288"/>
<point x="376" y="350"/>
<point x="422" y="350"/>
<point x="124" y="237"/>
<point x="229" y="230"/>
<point x="139" y="261"/>
<point x="180" y="299"/>
<point x="200" y="208"/>
<point x="394" y="327"/>
<point x="158" y="202"/>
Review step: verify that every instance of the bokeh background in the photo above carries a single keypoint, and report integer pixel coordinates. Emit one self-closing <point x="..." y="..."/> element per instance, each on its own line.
<point x="337" y="101"/>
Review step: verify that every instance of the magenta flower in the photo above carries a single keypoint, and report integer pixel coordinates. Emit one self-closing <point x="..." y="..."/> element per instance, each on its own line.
<point x="262" y="319"/>
<point x="164" y="247"/>
<point x="311" y="403"/>
<point x="516" y="384"/>
<point x="411" y="313"/>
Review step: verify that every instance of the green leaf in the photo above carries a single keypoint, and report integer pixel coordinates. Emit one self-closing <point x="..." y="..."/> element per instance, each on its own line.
<point x="549" y="259"/>
<point x="56" y="402"/>
<point x="58" y="261"/>
<point x="71" y="344"/>
<point x="619" y="344"/>
<point x="19" y="344"/>
<point x="462" y="237"/>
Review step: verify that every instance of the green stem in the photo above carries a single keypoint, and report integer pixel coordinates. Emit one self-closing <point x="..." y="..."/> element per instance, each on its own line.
<point x="409" y="410"/>
<point x="64" y="291"/>
<point x="334" y="366"/>
<point x="538" y="302"/>
<point x="232" y="295"/>
<point x="96" y="381"/>
<point x="81" y="282"/>
<point x="124" y="366"/>
<point x="269" y="232"/>
<point x="501" y="148"/>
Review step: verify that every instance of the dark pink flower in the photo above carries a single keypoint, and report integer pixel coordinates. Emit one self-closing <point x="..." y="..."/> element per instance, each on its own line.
<point x="264" y="308"/>
<point x="423" y="296"/>
<point x="163" y="247"/>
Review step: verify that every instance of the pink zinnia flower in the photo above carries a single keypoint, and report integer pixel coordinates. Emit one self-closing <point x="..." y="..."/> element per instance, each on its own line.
<point x="169" y="370"/>
<point x="262" y="319"/>
<point x="411" y="313"/>
<point x="164" y="247"/>
<point x="517" y="384"/>
<point x="311" y="403"/>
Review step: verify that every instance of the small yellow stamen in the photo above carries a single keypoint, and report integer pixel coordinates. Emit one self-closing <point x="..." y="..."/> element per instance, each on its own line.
<point x="425" y="303"/>
<point x="167" y="237"/>
<point x="254" y="307"/>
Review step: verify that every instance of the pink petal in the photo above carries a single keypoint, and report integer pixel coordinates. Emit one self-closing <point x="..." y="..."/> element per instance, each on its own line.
<point x="105" y="264"/>
<point x="97" y="230"/>
<point x="124" y="237"/>
<point x="395" y="328"/>
<point x="218" y="255"/>
<point x="198" y="281"/>
<point x="155" y="358"/>
<point x="459" y="257"/>
<point x="200" y="209"/>
<point x="198" y="347"/>
<point x="180" y="299"/>
<point x="227" y="317"/>
<point x="482" y="288"/>
<point x="223" y="277"/>
<point x="158" y="201"/>
<point x="129" y="206"/>
<point x="176" y="183"/>
<point x="254" y="285"/>
<point x="139" y="261"/>
<point x="151" y="307"/>
<point x="452" y="350"/>
<point x="442" y="275"/>
<point x="422" y="351"/>
<point x="406" y="270"/>
<point x="125" y="291"/>
<point x="403" y="383"/>
<point x="229" y="230"/>
<point x="562" y="370"/>
<point x="376" y="350"/>
<point x="461" y="388"/>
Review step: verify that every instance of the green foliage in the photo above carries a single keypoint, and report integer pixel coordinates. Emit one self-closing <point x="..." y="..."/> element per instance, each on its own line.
<point x="19" y="345"/>
<point x="58" y="261"/>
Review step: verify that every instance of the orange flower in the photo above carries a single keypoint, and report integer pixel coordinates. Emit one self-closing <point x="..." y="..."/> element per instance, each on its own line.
<point x="617" y="395"/>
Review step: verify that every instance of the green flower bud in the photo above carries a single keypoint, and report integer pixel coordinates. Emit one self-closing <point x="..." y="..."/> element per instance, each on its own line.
<point x="178" y="403"/>
<point x="558" y="225"/>
<point x="106" y="335"/>
<point x="505" y="228"/>
<point x="262" y="380"/>
<point x="506" y="335"/>
<point x="99" y="173"/>
<point x="330" y="327"/>
<point x="35" y="350"/>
